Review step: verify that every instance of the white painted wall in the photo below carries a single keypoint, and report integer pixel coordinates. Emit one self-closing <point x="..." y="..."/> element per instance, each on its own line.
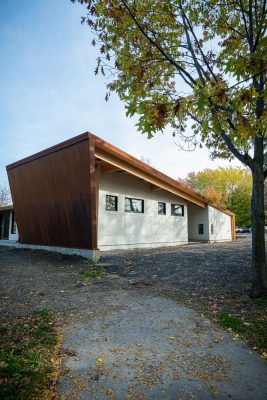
<point x="222" y="230"/>
<point x="197" y="215"/>
<point x="221" y="223"/>
<point x="120" y="229"/>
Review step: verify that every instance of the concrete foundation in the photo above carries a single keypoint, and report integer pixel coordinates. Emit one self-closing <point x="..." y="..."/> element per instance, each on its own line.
<point x="93" y="255"/>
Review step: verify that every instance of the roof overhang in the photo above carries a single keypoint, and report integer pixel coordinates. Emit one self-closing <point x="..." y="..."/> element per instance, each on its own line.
<point x="6" y="208"/>
<point x="117" y="159"/>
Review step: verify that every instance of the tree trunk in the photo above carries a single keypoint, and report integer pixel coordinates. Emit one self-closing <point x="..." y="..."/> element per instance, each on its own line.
<point x="259" y="274"/>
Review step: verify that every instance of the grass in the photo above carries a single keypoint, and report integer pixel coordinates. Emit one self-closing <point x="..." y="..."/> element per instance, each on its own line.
<point x="228" y="321"/>
<point x="94" y="273"/>
<point x="28" y="357"/>
<point x="254" y="331"/>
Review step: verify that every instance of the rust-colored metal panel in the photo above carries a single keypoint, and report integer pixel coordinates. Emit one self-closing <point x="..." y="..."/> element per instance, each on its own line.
<point x="53" y="194"/>
<point x="233" y="227"/>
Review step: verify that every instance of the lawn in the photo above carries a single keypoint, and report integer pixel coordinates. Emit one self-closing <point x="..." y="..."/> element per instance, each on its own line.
<point x="29" y="357"/>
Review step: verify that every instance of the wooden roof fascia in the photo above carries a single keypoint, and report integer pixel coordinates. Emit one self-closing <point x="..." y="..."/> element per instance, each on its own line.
<point x="102" y="144"/>
<point x="107" y="168"/>
<point x="139" y="173"/>
<point x="111" y="149"/>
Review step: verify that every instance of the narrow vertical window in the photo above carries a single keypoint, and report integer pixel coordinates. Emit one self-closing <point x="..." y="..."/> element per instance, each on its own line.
<point x="111" y="203"/>
<point x="161" y="208"/>
<point x="13" y="223"/>
<point x="212" y="229"/>
<point x="200" y="229"/>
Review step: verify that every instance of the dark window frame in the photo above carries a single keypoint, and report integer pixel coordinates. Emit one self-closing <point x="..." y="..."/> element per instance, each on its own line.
<point x="116" y="202"/>
<point x="172" y="210"/>
<point x="212" y="229"/>
<point x="164" y="208"/>
<point x="201" y="229"/>
<point x="13" y="224"/>
<point x="134" y="211"/>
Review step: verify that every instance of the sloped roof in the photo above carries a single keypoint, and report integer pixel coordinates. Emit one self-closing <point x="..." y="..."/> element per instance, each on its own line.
<point x="113" y="155"/>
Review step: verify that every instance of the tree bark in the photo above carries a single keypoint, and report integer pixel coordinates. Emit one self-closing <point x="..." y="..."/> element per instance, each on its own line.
<point x="259" y="273"/>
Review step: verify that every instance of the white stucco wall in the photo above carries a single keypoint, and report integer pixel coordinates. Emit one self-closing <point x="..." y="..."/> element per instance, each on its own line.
<point x="222" y="227"/>
<point x="222" y="230"/>
<point x="120" y="229"/>
<point x="198" y="215"/>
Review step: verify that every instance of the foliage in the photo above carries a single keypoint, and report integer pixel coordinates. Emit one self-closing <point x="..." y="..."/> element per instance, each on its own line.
<point x="229" y="187"/>
<point x="94" y="273"/>
<point x="4" y="196"/>
<point x="27" y="353"/>
<point x="150" y="50"/>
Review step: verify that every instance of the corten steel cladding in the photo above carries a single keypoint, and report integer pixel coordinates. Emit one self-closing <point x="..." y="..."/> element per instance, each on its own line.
<point x="53" y="194"/>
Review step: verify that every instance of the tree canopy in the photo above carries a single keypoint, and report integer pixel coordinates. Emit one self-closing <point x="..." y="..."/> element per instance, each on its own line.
<point x="193" y="62"/>
<point x="229" y="187"/>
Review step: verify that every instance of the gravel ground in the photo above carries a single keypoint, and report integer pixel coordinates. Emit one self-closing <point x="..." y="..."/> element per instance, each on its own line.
<point x="191" y="268"/>
<point x="30" y="279"/>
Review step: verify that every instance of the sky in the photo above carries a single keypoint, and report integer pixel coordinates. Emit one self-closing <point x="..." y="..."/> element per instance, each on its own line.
<point x="49" y="92"/>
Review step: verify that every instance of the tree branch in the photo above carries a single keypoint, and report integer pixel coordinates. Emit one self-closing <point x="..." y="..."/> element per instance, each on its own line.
<point x="167" y="56"/>
<point x="184" y="16"/>
<point x="199" y="68"/>
<point x="244" y="158"/>
<point x="245" y="23"/>
<point x="260" y="27"/>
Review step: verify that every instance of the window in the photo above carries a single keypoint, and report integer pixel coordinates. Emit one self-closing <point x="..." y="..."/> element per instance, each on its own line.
<point x="111" y="203"/>
<point x="212" y="229"/>
<point x="177" y="210"/>
<point x="161" y="208"/>
<point x="200" y="229"/>
<point x="13" y="223"/>
<point x="134" y="205"/>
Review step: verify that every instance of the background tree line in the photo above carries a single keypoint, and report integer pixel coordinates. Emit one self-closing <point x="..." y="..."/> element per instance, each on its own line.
<point x="228" y="187"/>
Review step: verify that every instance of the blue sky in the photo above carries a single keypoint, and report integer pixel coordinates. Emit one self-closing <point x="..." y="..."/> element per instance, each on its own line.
<point x="49" y="92"/>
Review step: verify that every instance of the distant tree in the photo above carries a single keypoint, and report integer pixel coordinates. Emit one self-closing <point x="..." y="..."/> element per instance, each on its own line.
<point x="229" y="187"/>
<point x="196" y="62"/>
<point x="5" y="197"/>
